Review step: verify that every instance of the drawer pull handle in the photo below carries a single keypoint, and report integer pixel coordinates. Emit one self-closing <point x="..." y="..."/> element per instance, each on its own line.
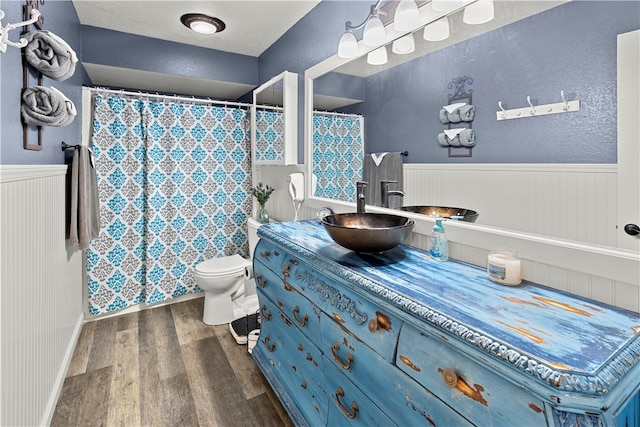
<point x="336" y="347"/>
<point x="301" y="322"/>
<point x="304" y="385"/>
<point x="293" y="261"/>
<point x="261" y="281"/>
<point x="265" y="254"/>
<point x="266" y="314"/>
<point x="373" y="325"/>
<point x="450" y="378"/>
<point x="285" y="320"/>
<point x="354" y="405"/>
<point x="287" y="286"/>
<point x="268" y="344"/>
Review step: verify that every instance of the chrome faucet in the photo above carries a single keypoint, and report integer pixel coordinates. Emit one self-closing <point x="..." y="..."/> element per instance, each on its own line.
<point x="385" y="193"/>
<point x="360" y="202"/>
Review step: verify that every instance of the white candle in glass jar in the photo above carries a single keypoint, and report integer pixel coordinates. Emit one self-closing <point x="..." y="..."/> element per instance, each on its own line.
<point x="503" y="266"/>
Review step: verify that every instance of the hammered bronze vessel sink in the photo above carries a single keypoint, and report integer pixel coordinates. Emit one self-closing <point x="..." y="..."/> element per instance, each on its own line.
<point x="443" y="212"/>
<point x="368" y="233"/>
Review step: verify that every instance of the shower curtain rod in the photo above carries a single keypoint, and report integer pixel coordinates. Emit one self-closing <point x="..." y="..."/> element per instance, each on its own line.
<point x="333" y="113"/>
<point x="156" y="95"/>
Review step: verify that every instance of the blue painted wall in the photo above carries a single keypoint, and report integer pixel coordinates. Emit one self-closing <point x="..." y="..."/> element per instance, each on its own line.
<point x="571" y="48"/>
<point x="61" y="19"/>
<point x="106" y="47"/>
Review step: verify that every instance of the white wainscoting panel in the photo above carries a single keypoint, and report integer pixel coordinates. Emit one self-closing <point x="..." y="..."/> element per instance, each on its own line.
<point x="40" y="293"/>
<point x="524" y="197"/>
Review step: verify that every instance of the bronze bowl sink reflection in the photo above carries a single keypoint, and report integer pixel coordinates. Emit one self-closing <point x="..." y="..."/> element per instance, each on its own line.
<point x="367" y="233"/>
<point x="443" y="212"/>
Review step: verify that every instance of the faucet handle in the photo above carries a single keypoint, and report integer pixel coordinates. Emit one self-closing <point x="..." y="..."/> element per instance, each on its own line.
<point x="388" y="181"/>
<point x="361" y="183"/>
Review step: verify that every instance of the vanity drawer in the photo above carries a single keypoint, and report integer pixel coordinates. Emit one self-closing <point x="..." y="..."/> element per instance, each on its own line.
<point x="465" y="385"/>
<point x="391" y="389"/>
<point x="366" y="320"/>
<point x="296" y="361"/>
<point x="269" y="254"/>
<point x="289" y="300"/>
<point x="348" y="405"/>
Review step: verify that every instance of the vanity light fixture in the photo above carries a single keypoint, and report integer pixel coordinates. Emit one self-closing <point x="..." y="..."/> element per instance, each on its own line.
<point x="437" y="31"/>
<point x="373" y="34"/>
<point x="348" y="45"/>
<point x="202" y="24"/>
<point x="407" y="16"/>
<point x="404" y="45"/>
<point x="479" y="12"/>
<point x="378" y="56"/>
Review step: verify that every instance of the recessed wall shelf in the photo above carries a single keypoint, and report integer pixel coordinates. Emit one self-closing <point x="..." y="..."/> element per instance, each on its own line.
<point x="538" y="110"/>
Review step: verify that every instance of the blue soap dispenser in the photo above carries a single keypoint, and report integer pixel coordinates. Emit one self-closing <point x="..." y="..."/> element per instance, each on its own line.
<point x="439" y="248"/>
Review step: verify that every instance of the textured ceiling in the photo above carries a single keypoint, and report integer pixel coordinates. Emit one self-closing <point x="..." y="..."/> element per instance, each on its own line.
<point x="251" y="25"/>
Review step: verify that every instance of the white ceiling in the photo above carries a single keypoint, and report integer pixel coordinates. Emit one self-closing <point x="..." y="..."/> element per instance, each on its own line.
<point x="251" y="25"/>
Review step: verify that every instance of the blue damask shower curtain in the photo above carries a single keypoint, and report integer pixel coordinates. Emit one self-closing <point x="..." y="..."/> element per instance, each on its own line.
<point x="174" y="185"/>
<point x="338" y="154"/>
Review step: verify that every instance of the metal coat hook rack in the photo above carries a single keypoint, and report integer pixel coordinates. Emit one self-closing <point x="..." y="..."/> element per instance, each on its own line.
<point x="538" y="110"/>
<point x="4" y="31"/>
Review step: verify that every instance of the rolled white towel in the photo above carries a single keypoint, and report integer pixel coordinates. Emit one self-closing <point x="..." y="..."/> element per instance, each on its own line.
<point x="50" y="54"/>
<point x="467" y="113"/>
<point x="43" y="106"/>
<point x="442" y="139"/>
<point x="467" y="138"/>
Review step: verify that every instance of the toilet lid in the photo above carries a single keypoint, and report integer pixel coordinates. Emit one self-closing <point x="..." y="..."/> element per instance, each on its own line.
<point x="222" y="266"/>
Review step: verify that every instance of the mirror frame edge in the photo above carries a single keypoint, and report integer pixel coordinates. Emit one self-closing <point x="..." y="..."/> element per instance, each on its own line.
<point x="290" y="113"/>
<point x="612" y="263"/>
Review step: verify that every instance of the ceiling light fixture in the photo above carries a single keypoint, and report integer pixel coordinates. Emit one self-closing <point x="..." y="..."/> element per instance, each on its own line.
<point x="202" y="24"/>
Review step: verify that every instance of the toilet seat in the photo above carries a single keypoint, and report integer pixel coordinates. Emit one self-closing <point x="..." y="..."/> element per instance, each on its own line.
<point x="223" y="266"/>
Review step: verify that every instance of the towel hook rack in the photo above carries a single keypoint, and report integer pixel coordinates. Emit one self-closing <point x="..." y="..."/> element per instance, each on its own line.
<point x="533" y="109"/>
<point x="4" y="31"/>
<point x="565" y="106"/>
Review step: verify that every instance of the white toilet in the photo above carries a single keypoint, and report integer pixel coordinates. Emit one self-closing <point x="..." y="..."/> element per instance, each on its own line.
<point x="229" y="289"/>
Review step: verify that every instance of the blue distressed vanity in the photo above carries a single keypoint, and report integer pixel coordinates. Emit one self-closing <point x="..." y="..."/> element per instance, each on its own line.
<point x="399" y="339"/>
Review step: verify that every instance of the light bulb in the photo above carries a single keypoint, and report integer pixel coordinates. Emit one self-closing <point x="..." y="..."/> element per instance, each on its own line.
<point x="437" y="31"/>
<point x="374" y="34"/>
<point x="407" y="16"/>
<point x="378" y="56"/>
<point x="404" y="45"/>
<point x="479" y="12"/>
<point x="348" y="46"/>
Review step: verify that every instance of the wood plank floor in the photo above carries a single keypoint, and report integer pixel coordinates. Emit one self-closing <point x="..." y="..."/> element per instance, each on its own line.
<point x="164" y="367"/>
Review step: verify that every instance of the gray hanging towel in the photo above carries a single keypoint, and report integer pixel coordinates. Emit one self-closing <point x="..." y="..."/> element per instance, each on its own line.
<point x="50" y="55"/>
<point x="84" y="223"/>
<point x="43" y="106"/>
<point x="378" y="167"/>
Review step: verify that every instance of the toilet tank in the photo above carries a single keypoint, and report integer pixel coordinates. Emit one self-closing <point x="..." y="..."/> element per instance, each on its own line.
<point x="253" y="225"/>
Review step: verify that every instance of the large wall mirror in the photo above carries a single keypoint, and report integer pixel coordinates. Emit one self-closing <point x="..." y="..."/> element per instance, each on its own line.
<point x="541" y="50"/>
<point x="274" y="121"/>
